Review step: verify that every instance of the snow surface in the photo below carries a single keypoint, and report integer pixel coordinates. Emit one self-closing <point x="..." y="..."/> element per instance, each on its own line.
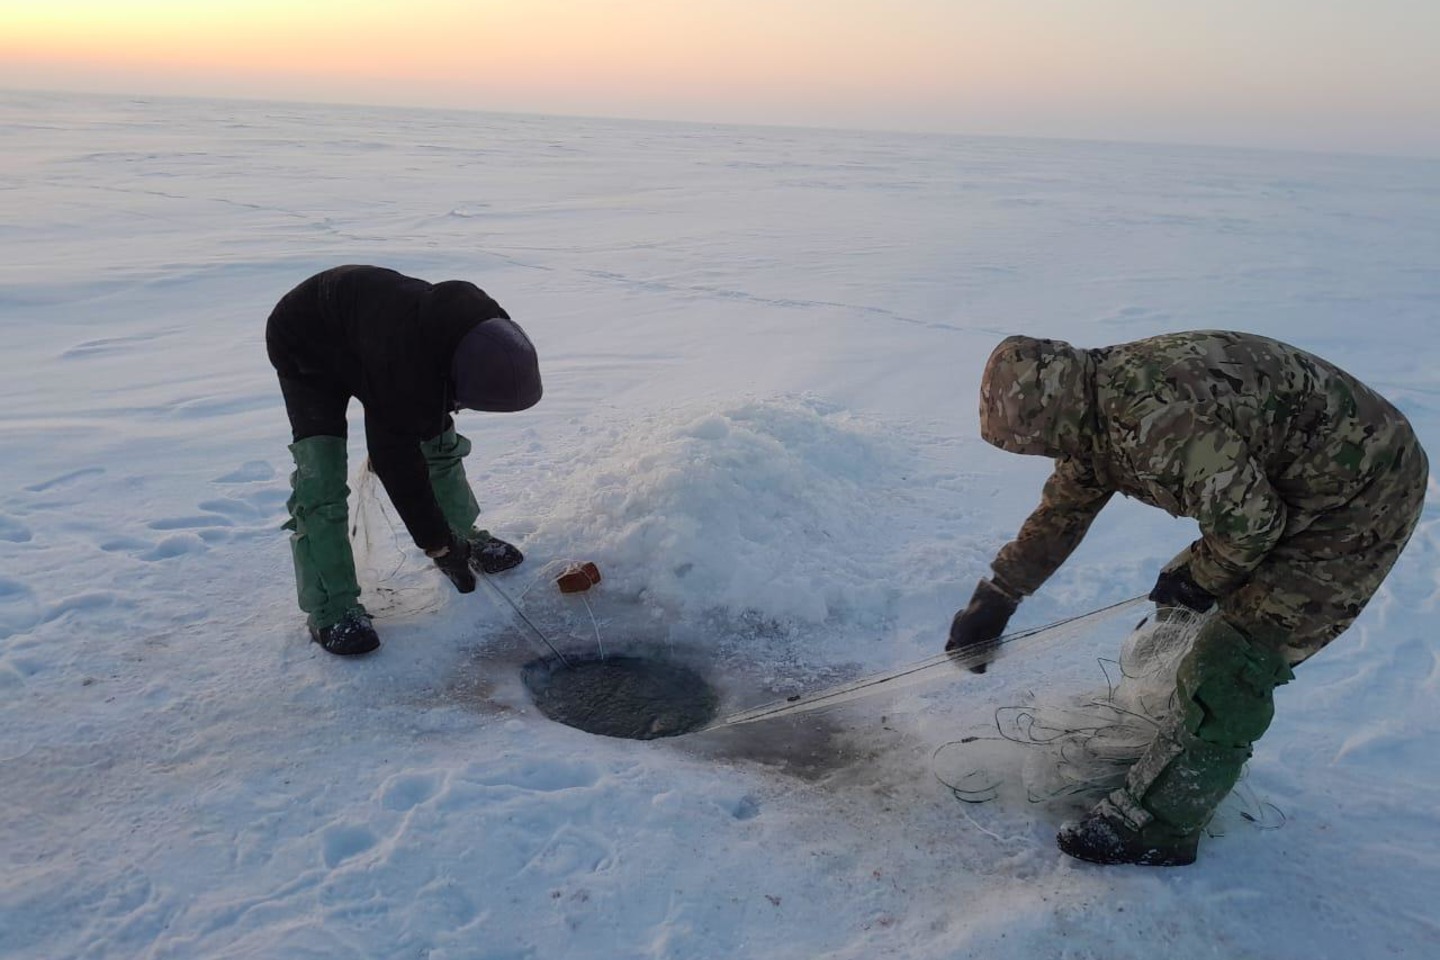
<point x="761" y="350"/>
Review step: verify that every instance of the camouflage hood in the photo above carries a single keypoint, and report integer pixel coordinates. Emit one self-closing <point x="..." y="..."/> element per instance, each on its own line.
<point x="1038" y="397"/>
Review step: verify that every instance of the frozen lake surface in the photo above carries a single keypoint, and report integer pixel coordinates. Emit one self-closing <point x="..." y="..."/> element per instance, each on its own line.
<point x="761" y="349"/>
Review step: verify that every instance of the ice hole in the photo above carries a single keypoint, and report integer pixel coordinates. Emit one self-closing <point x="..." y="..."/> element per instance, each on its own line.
<point x="634" y="697"/>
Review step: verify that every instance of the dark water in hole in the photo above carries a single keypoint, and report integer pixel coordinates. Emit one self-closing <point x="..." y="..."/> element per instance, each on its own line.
<point x="637" y="698"/>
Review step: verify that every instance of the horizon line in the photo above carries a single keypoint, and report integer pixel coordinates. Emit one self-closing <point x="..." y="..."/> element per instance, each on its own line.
<point x="1097" y="140"/>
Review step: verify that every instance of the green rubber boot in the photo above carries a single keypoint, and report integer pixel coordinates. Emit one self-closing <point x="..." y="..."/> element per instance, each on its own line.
<point x="1225" y="691"/>
<point x="445" y="458"/>
<point x="320" y="544"/>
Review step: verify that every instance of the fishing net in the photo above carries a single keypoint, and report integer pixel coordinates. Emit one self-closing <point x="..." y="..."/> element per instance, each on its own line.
<point x="398" y="581"/>
<point x="1069" y="753"/>
<point x="390" y="577"/>
<point x="941" y="666"/>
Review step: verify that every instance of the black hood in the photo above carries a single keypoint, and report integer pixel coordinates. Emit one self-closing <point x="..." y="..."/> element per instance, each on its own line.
<point x="495" y="368"/>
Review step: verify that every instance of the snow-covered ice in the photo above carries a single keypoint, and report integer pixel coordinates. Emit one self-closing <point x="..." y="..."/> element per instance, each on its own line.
<point x="761" y="350"/>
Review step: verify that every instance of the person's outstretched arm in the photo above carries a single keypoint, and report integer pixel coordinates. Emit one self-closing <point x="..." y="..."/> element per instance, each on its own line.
<point x="1069" y="503"/>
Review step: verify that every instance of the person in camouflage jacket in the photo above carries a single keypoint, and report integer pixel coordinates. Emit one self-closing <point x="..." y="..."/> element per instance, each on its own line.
<point x="1305" y="483"/>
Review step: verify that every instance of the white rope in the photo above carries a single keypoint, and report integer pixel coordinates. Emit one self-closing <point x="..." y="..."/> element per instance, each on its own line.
<point x="920" y="671"/>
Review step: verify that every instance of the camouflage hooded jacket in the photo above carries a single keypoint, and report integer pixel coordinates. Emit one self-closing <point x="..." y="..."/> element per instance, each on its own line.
<point x="1251" y="437"/>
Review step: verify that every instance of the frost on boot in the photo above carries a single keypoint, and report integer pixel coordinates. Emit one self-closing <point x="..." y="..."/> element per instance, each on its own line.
<point x="351" y="636"/>
<point x="492" y="555"/>
<point x="1103" y="838"/>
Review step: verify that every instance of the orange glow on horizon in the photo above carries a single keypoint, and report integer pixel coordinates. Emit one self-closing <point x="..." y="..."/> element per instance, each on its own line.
<point x="977" y="65"/>
<point x="546" y="44"/>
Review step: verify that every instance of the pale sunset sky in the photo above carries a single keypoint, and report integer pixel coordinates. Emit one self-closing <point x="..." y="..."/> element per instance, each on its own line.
<point x="1351" y="75"/>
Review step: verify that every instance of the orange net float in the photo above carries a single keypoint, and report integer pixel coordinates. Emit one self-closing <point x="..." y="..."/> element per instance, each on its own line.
<point x="578" y="577"/>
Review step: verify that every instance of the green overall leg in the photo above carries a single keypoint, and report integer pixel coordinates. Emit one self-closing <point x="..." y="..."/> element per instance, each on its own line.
<point x="445" y="458"/>
<point x="1225" y="690"/>
<point x="320" y="537"/>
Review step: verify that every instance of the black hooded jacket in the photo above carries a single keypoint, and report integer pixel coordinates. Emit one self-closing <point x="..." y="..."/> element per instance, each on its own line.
<point x="387" y="340"/>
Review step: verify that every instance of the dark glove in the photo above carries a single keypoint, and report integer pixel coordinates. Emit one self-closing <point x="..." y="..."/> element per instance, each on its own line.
<point x="455" y="563"/>
<point x="492" y="555"/>
<point x="1176" y="588"/>
<point x="975" y="629"/>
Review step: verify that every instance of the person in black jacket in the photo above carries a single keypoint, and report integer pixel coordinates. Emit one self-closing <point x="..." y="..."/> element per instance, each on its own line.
<point x="412" y="353"/>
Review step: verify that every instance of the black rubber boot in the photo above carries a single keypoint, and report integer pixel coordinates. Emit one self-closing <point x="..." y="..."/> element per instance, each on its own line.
<point x="492" y="555"/>
<point x="1098" y="838"/>
<point x="351" y="636"/>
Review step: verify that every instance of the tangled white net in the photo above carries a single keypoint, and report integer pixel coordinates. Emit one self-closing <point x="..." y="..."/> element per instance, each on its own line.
<point x="398" y="581"/>
<point x="1069" y="754"/>
<point x="387" y="571"/>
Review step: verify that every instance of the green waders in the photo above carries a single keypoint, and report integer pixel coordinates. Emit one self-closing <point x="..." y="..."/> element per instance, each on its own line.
<point x="444" y="457"/>
<point x="1225" y="701"/>
<point x="320" y="536"/>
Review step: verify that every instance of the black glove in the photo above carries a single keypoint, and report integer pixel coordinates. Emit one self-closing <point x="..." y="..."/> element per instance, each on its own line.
<point x="980" y="624"/>
<point x="1176" y="588"/>
<point x="455" y="563"/>
<point x="492" y="555"/>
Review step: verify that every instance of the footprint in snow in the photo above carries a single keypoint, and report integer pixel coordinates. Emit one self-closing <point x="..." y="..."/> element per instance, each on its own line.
<point x="541" y="776"/>
<point x="340" y="843"/>
<point x="235" y="508"/>
<point x="13" y="531"/>
<point x="209" y="527"/>
<point x="65" y="479"/>
<point x="409" y="790"/>
<point x="19" y="611"/>
<point x="88" y="602"/>
<point x="746" y="808"/>
<point x="251" y="471"/>
<point x="572" y="850"/>
<point x="126" y="545"/>
<point x="258" y="504"/>
<point x="259" y="508"/>
<point x="176" y="546"/>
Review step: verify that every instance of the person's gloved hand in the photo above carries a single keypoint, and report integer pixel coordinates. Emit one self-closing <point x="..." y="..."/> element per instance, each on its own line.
<point x="980" y="624"/>
<point x="492" y="555"/>
<point x="1176" y="588"/>
<point x="454" y="561"/>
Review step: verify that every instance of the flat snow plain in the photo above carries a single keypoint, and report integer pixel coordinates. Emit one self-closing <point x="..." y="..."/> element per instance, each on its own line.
<point x="761" y="349"/>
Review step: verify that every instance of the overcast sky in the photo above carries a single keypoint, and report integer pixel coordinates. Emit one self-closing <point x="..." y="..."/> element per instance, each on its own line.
<point x="1354" y="75"/>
